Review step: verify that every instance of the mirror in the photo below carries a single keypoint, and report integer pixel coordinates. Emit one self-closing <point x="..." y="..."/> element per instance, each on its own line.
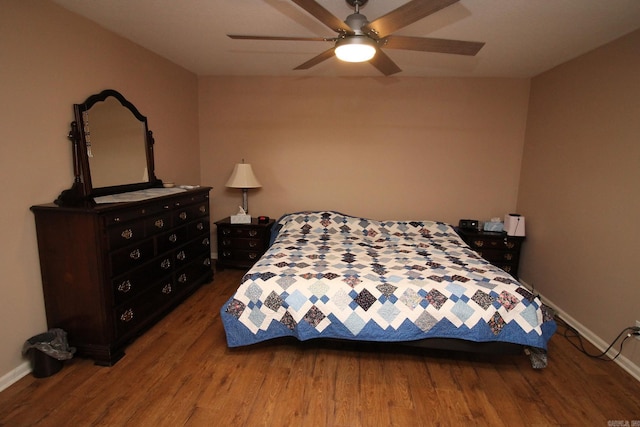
<point x="112" y="149"/>
<point x="116" y="144"/>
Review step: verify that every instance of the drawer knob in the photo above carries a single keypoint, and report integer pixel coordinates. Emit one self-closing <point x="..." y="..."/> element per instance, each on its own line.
<point x="205" y="241"/>
<point x="125" y="286"/>
<point x="253" y="244"/>
<point x="165" y="264"/>
<point x="127" y="234"/>
<point x="127" y="316"/>
<point x="135" y="254"/>
<point x="181" y="256"/>
<point x="159" y="223"/>
<point x="182" y="278"/>
<point x="253" y="255"/>
<point x="226" y="231"/>
<point x="206" y="262"/>
<point x="510" y="245"/>
<point x="478" y="243"/>
<point x="200" y="226"/>
<point x="202" y="209"/>
<point x="166" y="289"/>
<point x="508" y="257"/>
<point x="173" y="238"/>
<point x="183" y="215"/>
<point x="253" y="233"/>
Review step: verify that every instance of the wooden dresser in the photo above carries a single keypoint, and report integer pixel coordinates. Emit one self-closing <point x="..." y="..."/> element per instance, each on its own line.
<point x="241" y="245"/>
<point x="499" y="249"/>
<point x="112" y="270"/>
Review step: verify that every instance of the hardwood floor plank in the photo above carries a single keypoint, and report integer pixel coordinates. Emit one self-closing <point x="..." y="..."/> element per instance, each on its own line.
<point x="181" y="373"/>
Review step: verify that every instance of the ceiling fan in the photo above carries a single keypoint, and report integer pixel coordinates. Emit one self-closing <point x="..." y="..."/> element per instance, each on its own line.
<point x="359" y="40"/>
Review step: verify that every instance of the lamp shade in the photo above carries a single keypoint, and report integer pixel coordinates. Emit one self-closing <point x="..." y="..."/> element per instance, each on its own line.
<point x="243" y="177"/>
<point x="355" y="48"/>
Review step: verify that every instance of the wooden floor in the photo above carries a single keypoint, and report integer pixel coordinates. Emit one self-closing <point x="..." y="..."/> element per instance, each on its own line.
<point x="181" y="373"/>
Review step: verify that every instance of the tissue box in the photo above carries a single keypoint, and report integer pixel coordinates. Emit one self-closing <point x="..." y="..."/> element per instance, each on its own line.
<point x="493" y="226"/>
<point x="241" y="219"/>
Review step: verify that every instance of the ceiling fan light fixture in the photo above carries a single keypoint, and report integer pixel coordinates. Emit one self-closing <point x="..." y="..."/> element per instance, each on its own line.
<point x="355" y="48"/>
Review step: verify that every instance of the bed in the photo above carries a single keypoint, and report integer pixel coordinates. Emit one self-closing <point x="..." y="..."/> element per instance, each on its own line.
<point x="334" y="276"/>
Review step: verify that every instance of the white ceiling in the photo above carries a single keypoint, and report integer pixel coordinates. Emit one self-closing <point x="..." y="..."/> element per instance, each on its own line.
<point x="523" y="37"/>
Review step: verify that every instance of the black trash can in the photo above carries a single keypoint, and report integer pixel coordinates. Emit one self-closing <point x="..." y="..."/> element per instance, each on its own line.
<point x="47" y="352"/>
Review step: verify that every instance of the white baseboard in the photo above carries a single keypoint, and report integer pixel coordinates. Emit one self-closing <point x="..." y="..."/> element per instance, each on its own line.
<point x="15" y="375"/>
<point x="622" y="361"/>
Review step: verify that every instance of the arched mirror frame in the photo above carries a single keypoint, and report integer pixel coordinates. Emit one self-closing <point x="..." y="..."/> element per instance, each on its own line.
<point x="82" y="191"/>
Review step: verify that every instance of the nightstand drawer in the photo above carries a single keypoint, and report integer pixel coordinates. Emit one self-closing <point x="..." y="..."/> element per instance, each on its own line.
<point x="505" y="243"/>
<point x="241" y="245"/>
<point x="242" y="231"/>
<point x="492" y="255"/>
<point x="499" y="249"/>
<point x="250" y="244"/>
<point x="239" y="255"/>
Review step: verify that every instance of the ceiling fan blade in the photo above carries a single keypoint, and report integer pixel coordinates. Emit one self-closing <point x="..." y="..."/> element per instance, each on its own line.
<point x="324" y="16"/>
<point x="384" y="64"/>
<point x="426" y="44"/>
<point x="406" y="14"/>
<point x="316" y="60"/>
<point x="303" y="39"/>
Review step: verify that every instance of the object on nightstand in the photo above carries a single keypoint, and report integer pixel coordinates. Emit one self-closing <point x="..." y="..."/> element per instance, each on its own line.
<point x="514" y="224"/>
<point x="468" y="224"/>
<point x="494" y="225"/>
<point x="241" y="217"/>
<point x="242" y="177"/>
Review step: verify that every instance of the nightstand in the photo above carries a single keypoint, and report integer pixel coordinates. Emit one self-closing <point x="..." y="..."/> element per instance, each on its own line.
<point x="241" y="245"/>
<point x="499" y="249"/>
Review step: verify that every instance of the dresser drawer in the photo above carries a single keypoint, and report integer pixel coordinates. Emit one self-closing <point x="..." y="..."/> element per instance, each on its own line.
<point x="130" y="315"/>
<point x="198" y="227"/>
<point x="157" y="224"/>
<point x="192" y="273"/>
<point x="163" y="265"/>
<point x="188" y="213"/>
<point x="131" y="257"/>
<point x="193" y="250"/>
<point x="130" y="284"/>
<point x="171" y="239"/>
<point x="121" y="235"/>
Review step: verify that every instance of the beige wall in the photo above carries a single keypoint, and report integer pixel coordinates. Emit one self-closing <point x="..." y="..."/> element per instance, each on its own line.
<point x="49" y="60"/>
<point x="385" y="148"/>
<point x="580" y="188"/>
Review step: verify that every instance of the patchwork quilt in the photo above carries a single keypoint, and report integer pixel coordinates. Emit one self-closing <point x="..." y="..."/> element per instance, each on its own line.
<point x="329" y="275"/>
